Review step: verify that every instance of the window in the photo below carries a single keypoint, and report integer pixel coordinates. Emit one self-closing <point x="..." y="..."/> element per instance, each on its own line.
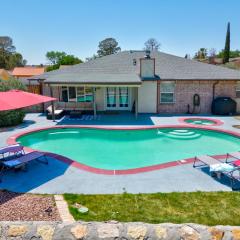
<point x="80" y="94"/>
<point x="111" y="97"/>
<point x="167" y="92"/>
<point x="64" y="94"/>
<point x="84" y="94"/>
<point x="72" y="94"/>
<point x="77" y="94"/>
<point x="123" y="97"/>
<point x="238" y="89"/>
<point x="88" y="94"/>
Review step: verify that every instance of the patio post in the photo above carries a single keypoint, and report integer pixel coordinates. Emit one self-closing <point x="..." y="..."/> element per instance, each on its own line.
<point x="136" y="104"/>
<point x="94" y="103"/>
<point x="53" y="103"/>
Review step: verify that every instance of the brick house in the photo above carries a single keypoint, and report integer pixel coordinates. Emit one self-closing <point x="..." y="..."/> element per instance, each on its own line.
<point x="141" y="82"/>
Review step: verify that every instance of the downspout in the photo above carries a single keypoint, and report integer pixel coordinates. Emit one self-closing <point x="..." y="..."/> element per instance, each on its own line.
<point x="213" y="89"/>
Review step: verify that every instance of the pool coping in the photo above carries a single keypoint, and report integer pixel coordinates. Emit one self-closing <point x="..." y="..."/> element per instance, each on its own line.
<point x="218" y="122"/>
<point x="12" y="140"/>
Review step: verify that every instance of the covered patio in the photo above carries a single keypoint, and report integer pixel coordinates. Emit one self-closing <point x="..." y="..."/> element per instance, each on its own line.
<point x="95" y="99"/>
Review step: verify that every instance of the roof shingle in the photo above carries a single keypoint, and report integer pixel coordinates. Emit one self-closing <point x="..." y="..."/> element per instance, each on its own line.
<point x="119" y="68"/>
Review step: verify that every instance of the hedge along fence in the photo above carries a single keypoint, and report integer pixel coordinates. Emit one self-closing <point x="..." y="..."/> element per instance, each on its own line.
<point x="14" y="117"/>
<point x="115" y="230"/>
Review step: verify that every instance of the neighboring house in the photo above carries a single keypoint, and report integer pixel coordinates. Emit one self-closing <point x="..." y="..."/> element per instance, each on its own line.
<point x="34" y="86"/>
<point x="131" y="81"/>
<point x="26" y="72"/>
<point x="4" y="74"/>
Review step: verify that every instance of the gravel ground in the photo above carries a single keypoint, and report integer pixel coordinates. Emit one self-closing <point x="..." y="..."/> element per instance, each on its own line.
<point x="27" y="207"/>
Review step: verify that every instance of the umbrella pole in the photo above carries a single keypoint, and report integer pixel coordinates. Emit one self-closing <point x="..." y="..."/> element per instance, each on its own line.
<point x="53" y="111"/>
<point x="53" y="107"/>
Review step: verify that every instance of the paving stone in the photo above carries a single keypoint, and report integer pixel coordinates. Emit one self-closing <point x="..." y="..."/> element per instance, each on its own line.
<point x="46" y="232"/>
<point x="236" y="234"/>
<point x="107" y="231"/>
<point x="79" y="231"/>
<point x="188" y="233"/>
<point x="16" y="230"/>
<point x="161" y="232"/>
<point x="137" y="232"/>
<point x="217" y="234"/>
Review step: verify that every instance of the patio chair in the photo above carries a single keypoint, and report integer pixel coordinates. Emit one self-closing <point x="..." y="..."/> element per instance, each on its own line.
<point x="15" y="149"/>
<point x="233" y="172"/>
<point x="21" y="161"/>
<point x="206" y="161"/>
<point x="58" y="112"/>
<point x="235" y="155"/>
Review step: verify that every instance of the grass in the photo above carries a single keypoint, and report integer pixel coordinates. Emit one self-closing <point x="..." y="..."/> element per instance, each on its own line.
<point x="210" y="208"/>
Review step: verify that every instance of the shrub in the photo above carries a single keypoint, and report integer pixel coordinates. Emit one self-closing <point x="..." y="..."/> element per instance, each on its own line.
<point x="14" y="117"/>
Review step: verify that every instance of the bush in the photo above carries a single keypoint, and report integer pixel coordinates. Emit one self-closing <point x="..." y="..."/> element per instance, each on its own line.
<point x="11" y="118"/>
<point x="14" y="117"/>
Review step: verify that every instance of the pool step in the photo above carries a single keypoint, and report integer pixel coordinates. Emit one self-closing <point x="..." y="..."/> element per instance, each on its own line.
<point x="183" y="134"/>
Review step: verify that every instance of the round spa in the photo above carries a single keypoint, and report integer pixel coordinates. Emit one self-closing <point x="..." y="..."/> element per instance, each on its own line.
<point x="201" y="121"/>
<point x="130" y="149"/>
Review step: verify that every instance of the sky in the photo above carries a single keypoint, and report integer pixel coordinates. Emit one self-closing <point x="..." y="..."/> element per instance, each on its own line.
<point x="77" y="26"/>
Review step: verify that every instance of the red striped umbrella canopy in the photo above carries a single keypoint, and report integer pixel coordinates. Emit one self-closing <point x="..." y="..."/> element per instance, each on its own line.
<point x="15" y="99"/>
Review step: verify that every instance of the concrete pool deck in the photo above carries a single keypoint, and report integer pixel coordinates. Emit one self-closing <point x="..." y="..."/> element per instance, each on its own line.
<point x="58" y="177"/>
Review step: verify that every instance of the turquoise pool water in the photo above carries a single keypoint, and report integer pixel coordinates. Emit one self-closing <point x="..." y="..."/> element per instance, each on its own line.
<point x="127" y="149"/>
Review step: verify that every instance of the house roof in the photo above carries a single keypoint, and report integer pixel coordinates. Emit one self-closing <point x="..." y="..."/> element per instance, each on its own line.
<point x="119" y="68"/>
<point x="27" y="71"/>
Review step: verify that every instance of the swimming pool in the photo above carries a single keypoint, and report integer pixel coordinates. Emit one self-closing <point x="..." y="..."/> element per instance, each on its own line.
<point x="129" y="149"/>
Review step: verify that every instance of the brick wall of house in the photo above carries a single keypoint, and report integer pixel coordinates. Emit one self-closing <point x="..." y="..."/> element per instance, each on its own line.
<point x="185" y="90"/>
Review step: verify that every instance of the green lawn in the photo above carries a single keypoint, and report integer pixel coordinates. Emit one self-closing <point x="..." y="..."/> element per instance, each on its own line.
<point x="211" y="208"/>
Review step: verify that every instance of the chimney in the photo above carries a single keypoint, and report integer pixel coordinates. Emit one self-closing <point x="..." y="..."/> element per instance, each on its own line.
<point x="147" y="66"/>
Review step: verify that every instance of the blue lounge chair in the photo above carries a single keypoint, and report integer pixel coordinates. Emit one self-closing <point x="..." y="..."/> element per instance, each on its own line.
<point x="233" y="173"/>
<point x="21" y="161"/>
<point x="15" y="149"/>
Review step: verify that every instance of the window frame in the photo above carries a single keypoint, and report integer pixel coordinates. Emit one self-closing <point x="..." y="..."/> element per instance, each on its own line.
<point x="167" y="92"/>
<point x="76" y="93"/>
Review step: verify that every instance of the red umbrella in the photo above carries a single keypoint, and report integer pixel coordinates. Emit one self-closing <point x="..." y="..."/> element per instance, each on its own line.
<point x="15" y="99"/>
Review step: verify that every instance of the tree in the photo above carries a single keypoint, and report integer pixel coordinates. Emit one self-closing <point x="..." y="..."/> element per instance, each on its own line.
<point x="91" y="58"/>
<point x="152" y="44"/>
<point x="201" y="53"/>
<point x="70" y="60"/>
<point x="9" y="58"/>
<point x="226" y="53"/>
<point x="16" y="59"/>
<point x="54" y="57"/>
<point x="108" y="46"/>
<point x="60" y="58"/>
<point x="232" y="54"/>
<point x="6" y="43"/>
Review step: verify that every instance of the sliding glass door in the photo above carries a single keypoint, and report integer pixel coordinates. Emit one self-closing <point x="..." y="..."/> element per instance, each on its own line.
<point x="117" y="98"/>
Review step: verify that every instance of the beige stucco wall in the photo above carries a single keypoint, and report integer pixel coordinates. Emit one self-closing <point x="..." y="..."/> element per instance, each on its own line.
<point x="238" y="104"/>
<point x="100" y="98"/>
<point x="147" y="97"/>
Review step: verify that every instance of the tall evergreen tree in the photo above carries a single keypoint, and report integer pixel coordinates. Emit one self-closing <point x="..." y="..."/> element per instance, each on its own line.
<point x="226" y="53"/>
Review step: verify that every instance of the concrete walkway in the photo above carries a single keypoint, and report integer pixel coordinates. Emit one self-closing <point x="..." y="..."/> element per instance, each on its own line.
<point x="58" y="177"/>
